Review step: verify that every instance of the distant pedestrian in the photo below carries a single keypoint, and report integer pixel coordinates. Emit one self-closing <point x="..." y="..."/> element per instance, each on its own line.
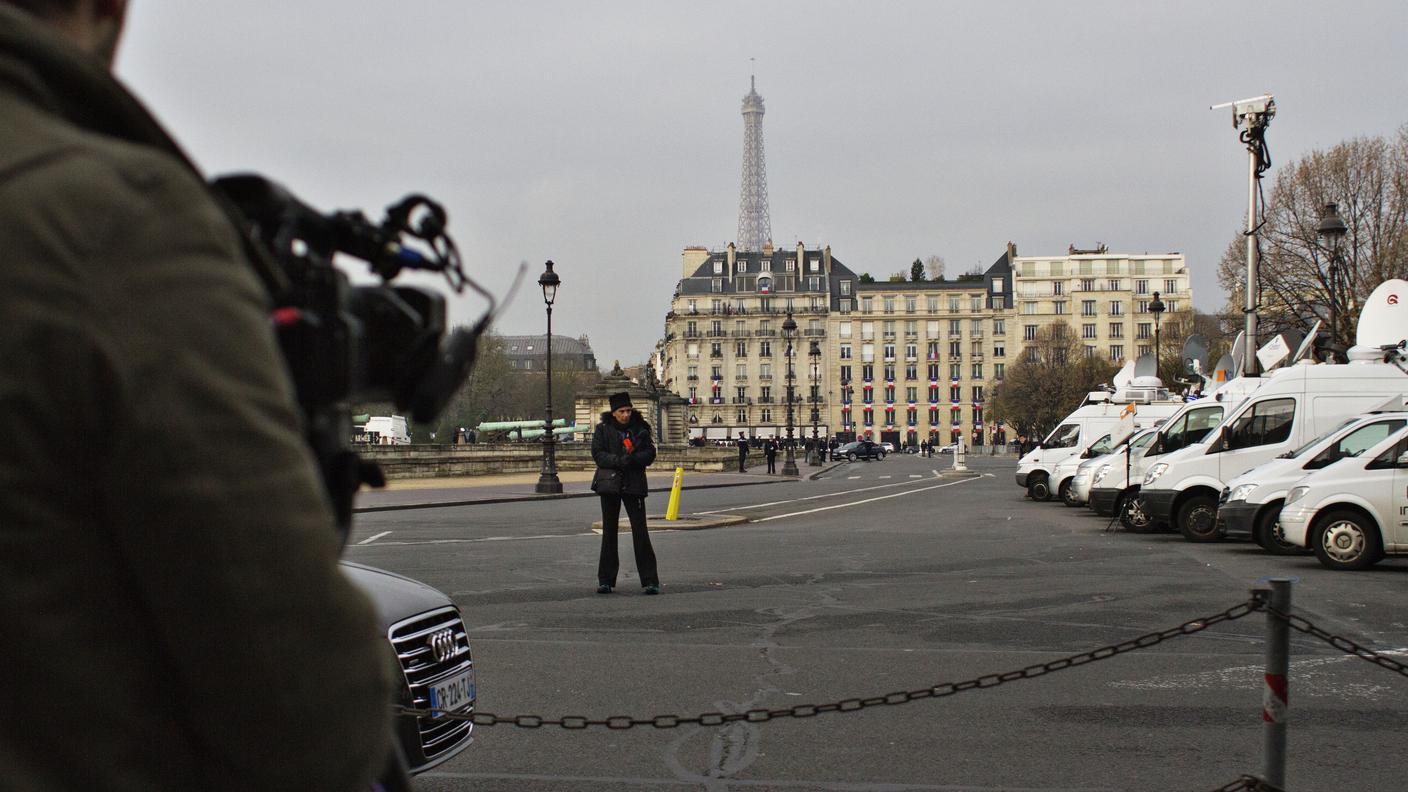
<point x="923" y="449"/>
<point x="622" y="449"/>
<point x="742" y="452"/>
<point x="770" y="451"/>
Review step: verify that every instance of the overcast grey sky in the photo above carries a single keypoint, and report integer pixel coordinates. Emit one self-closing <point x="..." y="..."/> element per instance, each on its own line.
<point x="606" y="136"/>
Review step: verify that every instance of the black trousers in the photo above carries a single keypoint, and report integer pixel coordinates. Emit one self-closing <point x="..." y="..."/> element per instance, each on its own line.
<point x="772" y="463"/>
<point x="610" y="562"/>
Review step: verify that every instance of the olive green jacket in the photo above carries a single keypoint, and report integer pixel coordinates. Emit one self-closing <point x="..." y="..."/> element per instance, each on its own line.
<point x="171" y="611"/>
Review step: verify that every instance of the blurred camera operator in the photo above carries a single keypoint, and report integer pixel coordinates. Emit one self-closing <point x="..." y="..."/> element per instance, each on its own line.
<point x="171" y="611"/>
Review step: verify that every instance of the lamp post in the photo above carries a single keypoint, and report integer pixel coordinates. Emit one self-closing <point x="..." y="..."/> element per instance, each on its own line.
<point x="815" y="355"/>
<point x="1157" y="309"/>
<point x="1332" y="229"/>
<point x="548" y="482"/>
<point x="789" y="332"/>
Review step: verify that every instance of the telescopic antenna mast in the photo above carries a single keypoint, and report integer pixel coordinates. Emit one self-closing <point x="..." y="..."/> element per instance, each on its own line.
<point x="1252" y="116"/>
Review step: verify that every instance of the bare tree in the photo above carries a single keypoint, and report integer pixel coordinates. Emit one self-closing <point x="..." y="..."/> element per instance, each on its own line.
<point x="1048" y="382"/>
<point x="935" y="266"/>
<point x="1368" y="179"/>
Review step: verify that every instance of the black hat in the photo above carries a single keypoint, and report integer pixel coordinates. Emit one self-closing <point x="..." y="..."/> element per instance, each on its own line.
<point x="619" y="400"/>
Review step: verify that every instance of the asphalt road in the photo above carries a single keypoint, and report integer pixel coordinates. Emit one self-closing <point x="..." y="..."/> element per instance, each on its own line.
<point x="883" y="577"/>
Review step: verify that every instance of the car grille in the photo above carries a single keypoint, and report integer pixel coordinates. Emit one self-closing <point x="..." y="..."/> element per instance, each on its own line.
<point x="418" y="663"/>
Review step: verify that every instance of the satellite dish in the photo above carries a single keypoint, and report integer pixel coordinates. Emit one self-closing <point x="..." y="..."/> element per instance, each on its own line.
<point x="1195" y="354"/>
<point x="1239" y="352"/>
<point x="1125" y="374"/>
<point x="1384" y="320"/>
<point x="1224" y="370"/>
<point x="1146" y="366"/>
<point x="1307" y="344"/>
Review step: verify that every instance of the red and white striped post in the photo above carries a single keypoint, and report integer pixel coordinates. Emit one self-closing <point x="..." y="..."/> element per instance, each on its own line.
<point x="1275" y="710"/>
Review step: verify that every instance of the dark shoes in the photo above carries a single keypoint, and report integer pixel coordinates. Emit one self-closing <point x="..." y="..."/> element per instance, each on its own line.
<point x="603" y="589"/>
<point x="652" y="589"/>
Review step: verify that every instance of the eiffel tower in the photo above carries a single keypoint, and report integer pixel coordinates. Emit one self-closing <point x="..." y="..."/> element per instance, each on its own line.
<point x="754" y="224"/>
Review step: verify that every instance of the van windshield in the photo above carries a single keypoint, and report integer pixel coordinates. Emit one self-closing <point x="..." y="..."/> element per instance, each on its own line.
<point x="1356" y="442"/>
<point x="1063" y="436"/>
<point x="1296" y="453"/>
<point x="1193" y="426"/>
<point x="1100" y="447"/>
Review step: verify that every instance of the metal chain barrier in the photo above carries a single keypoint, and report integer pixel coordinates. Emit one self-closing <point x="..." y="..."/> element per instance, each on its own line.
<point x="941" y="690"/>
<point x="1249" y="782"/>
<point x="1339" y="642"/>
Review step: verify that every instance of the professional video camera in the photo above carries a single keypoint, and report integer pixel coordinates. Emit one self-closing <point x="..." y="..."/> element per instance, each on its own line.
<point x="346" y="342"/>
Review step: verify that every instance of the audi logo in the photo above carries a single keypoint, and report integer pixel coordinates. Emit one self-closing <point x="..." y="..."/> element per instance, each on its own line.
<point x="442" y="644"/>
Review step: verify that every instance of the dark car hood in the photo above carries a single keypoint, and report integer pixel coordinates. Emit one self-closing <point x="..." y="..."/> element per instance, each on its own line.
<point x="396" y="597"/>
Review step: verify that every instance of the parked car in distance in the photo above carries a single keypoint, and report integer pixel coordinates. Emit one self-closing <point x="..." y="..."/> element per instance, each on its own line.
<point x="889" y="447"/>
<point x="861" y="449"/>
<point x="948" y="449"/>
<point x="435" y="667"/>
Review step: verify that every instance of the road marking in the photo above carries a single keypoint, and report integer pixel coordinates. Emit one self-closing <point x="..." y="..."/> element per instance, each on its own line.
<point x="1309" y="678"/>
<point x="371" y="539"/>
<point x="915" y="475"/>
<point x="852" y="478"/>
<point x="807" y="498"/>
<point x="884" y="477"/>
<point x="861" y="502"/>
<point x="409" y="542"/>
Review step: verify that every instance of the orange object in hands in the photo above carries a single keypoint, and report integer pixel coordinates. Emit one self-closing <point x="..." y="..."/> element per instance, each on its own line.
<point x="630" y="447"/>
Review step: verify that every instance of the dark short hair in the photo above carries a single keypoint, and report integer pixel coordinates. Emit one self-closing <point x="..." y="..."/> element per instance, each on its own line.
<point x="45" y="8"/>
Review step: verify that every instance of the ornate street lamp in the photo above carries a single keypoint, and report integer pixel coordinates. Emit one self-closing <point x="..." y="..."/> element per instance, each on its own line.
<point x="1157" y="309"/>
<point x="1332" y="229"/>
<point x="815" y="355"/>
<point x="548" y="482"/>
<point x="789" y="332"/>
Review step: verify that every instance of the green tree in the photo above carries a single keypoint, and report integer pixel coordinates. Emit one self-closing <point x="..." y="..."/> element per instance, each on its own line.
<point x="866" y="277"/>
<point x="1050" y="380"/>
<point x="916" y="271"/>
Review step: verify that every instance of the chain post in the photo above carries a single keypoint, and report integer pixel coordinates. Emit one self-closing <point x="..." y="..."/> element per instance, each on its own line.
<point x="1275" y="698"/>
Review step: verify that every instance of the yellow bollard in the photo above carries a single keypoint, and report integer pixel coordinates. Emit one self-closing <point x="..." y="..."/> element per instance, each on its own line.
<point x="673" y="511"/>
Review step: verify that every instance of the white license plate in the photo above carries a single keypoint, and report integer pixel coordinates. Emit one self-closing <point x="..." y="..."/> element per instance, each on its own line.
<point x="455" y="693"/>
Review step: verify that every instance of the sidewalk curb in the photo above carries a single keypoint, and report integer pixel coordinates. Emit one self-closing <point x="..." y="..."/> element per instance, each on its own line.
<point x="535" y="497"/>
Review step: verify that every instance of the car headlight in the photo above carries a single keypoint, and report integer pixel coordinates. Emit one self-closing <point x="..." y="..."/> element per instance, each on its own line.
<point x="1100" y="473"/>
<point x="1241" y="492"/>
<point x="1154" y="473"/>
<point x="1295" y="494"/>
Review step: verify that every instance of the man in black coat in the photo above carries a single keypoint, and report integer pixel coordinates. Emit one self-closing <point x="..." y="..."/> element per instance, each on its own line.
<point x="742" y="452"/>
<point x="770" y="451"/>
<point x="622" y="445"/>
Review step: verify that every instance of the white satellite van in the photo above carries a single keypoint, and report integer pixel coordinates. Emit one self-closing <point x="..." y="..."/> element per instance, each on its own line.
<point x="386" y="430"/>
<point x="1294" y="405"/>
<point x="1136" y="393"/>
<point x="1114" y="492"/>
<point x="1355" y="511"/>
<point x="1251" y="502"/>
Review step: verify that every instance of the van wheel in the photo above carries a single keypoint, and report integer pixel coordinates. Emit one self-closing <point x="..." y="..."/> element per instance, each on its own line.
<point x="1038" y="488"/>
<point x="1197" y="520"/>
<point x="1266" y="534"/>
<point x="1347" y="540"/>
<point x="1065" y="493"/>
<point x="1132" y="514"/>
